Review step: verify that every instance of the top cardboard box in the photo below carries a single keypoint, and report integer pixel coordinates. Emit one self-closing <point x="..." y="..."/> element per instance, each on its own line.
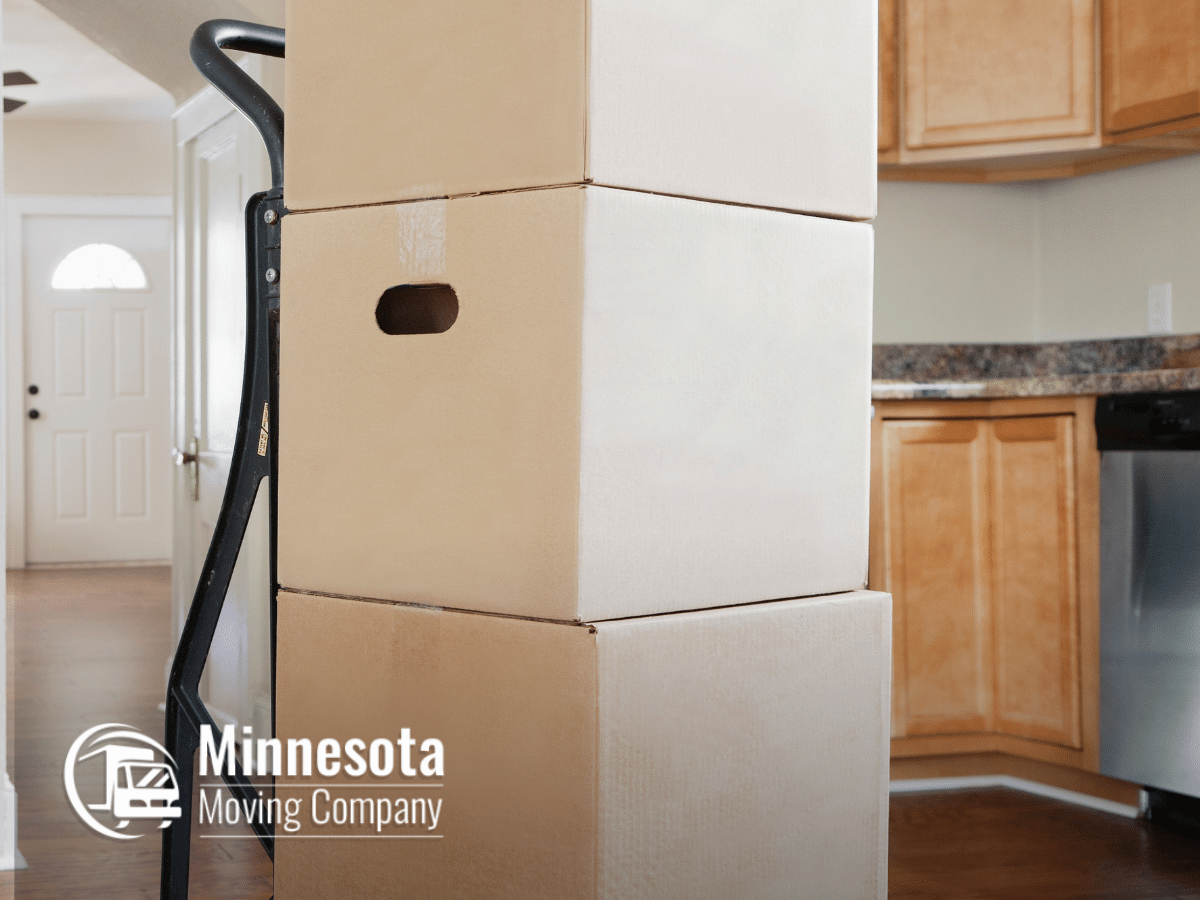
<point x="762" y="102"/>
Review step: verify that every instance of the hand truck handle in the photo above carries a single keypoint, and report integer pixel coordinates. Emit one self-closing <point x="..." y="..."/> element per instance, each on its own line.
<point x="207" y="50"/>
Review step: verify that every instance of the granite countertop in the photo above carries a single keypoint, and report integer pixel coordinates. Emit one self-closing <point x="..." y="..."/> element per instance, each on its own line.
<point x="1116" y="366"/>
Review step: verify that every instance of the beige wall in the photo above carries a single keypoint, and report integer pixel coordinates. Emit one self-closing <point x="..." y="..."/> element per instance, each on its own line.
<point x="1107" y="238"/>
<point x="1054" y="260"/>
<point x="54" y="157"/>
<point x="955" y="262"/>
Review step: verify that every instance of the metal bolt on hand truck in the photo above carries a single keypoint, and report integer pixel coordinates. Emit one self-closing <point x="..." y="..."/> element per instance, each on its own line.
<point x="255" y="453"/>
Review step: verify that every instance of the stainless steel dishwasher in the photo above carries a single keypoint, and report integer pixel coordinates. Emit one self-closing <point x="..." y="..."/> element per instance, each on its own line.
<point x="1150" y="589"/>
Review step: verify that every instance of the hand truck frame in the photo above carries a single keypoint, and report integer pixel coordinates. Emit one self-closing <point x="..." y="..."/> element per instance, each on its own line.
<point x="255" y="453"/>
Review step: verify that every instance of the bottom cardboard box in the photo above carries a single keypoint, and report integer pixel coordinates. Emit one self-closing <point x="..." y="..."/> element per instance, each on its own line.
<point x="736" y="752"/>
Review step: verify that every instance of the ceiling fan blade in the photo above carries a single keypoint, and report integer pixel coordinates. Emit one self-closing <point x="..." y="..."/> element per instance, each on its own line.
<point x="17" y="78"/>
<point x="10" y="104"/>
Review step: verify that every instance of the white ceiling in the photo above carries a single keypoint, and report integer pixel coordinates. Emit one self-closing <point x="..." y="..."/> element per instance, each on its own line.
<point x="76" y="78"/>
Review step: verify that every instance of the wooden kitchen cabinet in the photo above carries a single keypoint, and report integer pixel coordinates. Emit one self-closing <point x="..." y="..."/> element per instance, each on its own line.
<point x="978" y="71"/>
<point x="980" y="91"/>
<point x="934" y="479"/>
<point x="984" y="529"/>
<point x="889" y="78"/>
<point x="1035" y="598"/>
<point x="1151" y="65"/>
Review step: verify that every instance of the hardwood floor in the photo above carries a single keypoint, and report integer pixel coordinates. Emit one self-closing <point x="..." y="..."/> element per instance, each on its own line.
<point x="1000" y="844"/>
<point x="88" y="647"/>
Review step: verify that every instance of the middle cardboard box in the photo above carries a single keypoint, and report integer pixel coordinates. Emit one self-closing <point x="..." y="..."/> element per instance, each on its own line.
<point x="576" y="403"/>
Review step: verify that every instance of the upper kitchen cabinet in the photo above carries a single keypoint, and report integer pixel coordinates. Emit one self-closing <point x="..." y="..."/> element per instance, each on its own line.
<point x="982" y="72"/>
<point x="889" y="78"/>
<point x="1007" y="91"/>
<point x="1151" y="66"/>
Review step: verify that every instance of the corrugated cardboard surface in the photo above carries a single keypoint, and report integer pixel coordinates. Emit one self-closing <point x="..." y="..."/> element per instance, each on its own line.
<point x="647" y="404"/>
<point x="766" y="102"/>
<point x="769" y="102"/>
<point x="428" y="98"/>
<point x="728" y="753"/>
<point x="509" y="700"/>
<point x="726" y="395"/>
<point x="744" y="751"/>
<point x="435" y="468"/>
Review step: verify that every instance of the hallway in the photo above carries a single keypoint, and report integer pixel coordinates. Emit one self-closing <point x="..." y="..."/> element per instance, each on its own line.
<point x="88" y="646"/>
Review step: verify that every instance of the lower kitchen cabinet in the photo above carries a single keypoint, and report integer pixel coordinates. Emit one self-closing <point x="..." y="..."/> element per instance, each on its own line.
<point x="1035" y="599"/>
<point x="935" y="506"/>
<point x="984" y="529"/>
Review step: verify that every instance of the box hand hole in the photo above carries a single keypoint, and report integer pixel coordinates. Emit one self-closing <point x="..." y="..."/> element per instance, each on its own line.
<point x="417" y="309"/>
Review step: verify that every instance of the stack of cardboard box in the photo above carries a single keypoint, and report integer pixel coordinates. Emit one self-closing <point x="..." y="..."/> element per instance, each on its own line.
<point x="551" y="520"/>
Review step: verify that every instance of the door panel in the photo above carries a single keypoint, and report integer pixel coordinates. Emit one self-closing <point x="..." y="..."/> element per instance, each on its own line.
<point x="70" y="352"/>
<point x="220" y="168"/>
<point x="935" y="514"/>
<point x="129" y="352"/>
<point x="223" y="337"/>
<point x="131" y="465"/>
<point x="1036" y="608"/>
<point x="70" y="474"/>
<point x="979" y="71"/>
<point x="889" y="81"/>
<point x="1151" y="62"/>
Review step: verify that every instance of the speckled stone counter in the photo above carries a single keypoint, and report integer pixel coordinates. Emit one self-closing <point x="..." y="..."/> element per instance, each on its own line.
<point x="1117" y="366"/>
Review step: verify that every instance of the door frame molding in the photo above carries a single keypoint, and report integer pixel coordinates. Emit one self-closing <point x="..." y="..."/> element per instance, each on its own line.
<point x="205" y="110"/>
<point x="194" y="116"/>
<point x="18" y="208"/>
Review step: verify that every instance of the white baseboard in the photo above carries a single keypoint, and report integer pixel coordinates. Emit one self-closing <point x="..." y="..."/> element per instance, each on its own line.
<point x="10" y="856"/>
<point x="107" y="564"/>
<point x="913" y="785"/>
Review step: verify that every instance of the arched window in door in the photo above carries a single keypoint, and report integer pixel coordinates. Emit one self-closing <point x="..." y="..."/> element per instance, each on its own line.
<point x="98" y="267"/>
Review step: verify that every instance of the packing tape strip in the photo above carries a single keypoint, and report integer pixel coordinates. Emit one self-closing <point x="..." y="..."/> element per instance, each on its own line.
<point x="422" y="240"/>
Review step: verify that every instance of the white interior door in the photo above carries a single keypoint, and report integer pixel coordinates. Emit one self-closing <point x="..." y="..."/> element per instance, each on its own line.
<point x="220" y="168"/>
<point x="97" y="395"/>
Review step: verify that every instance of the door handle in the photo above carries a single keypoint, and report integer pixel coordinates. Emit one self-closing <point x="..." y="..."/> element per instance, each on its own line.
<point x="190" y="457"/>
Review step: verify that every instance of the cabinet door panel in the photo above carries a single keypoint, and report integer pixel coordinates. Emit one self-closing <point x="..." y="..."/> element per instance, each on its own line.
<point x="935" y="501"/>
<point x="889" y="91"/>
<point x="1151" y="62"/>
<point x="986" y="71"/>
<point x="1033" y="584"/>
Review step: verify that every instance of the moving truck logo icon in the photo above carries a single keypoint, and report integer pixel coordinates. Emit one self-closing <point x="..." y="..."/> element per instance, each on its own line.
<point x="139" y="779"/>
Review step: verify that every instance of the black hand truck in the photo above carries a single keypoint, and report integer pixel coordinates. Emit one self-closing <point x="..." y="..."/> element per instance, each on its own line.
<point x="255" y="453"/>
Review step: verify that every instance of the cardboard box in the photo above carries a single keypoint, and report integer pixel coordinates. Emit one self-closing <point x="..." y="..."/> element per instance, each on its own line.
<point x="764" y="102"/>
<point x="738" y="752"/>
<point x="646" y="404"/>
